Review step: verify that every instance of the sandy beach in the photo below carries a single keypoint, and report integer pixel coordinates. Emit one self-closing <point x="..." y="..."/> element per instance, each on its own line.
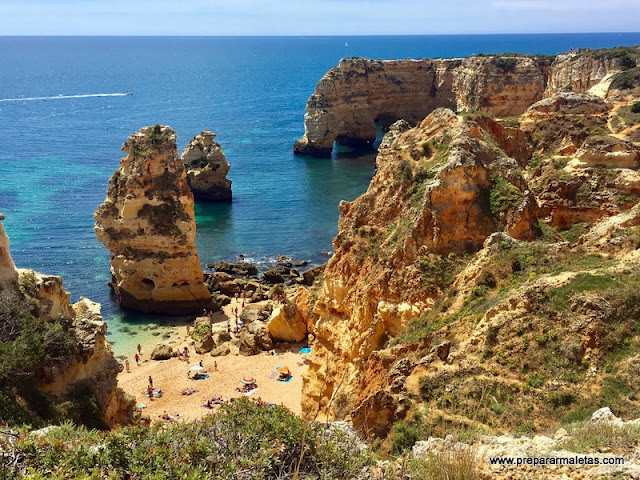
<point x="171" y="377"/>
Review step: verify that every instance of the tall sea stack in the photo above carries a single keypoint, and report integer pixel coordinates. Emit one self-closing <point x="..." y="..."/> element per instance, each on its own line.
<point x="148" y="223"/>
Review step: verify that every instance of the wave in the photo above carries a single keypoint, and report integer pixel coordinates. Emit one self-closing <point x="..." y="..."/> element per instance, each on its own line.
<point x="62" y="97"/>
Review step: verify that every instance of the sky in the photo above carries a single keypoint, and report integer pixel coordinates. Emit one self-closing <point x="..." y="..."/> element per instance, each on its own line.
<point x="314" y="17"/>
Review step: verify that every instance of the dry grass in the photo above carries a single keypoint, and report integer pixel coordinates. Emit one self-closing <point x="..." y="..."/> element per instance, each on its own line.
<point x="460" y="463"/>
<point x="591" y="437"/>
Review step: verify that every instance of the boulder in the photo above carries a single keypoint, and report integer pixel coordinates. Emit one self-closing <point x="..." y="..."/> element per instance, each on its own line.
<point x="286" y="324"/>
<point x="221" y="338"/>
<point x="204" y="345"/>
<point x="243" y="269"/>
<point x="162" y="352"/>
<point x="274" y="275"/>
<point x="310" y="275"/>
<point x="221" y="350"/>
<point x="254" y="339"/>
<point x="251" y="313"/>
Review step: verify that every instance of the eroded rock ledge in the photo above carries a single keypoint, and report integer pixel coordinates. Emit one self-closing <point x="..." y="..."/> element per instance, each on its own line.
<point x="351" y="98"/>
<point x="148" y="223"/>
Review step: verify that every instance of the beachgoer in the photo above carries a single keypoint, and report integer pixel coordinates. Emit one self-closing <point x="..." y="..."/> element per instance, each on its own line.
<point x="139" y="348"/>
<point x="237" y="296"/>
<point x="126" y="365"/>
<point x="215" y="366"/>
<point x="137" y="358"/>
<point x="188" y="329"/>
<point x="200" y="363"/>
<point x="150" y="393"/>
<point x="165" y="415"/>
<point x="189" y="374"/>
<point x="204" y="312"/>
<point x="150" y="381"/>
<point x="244" y="295"/>
<point x="243" y="305"/>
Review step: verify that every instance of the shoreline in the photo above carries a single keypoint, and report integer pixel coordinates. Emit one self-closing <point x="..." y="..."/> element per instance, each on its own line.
<point x="171" y="377"/>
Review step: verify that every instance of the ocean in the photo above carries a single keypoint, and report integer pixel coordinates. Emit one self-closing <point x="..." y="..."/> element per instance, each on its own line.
<point x="64" y="116"/>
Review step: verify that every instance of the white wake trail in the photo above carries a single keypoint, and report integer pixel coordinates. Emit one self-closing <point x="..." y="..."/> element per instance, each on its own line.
<point x="62" y="97"/>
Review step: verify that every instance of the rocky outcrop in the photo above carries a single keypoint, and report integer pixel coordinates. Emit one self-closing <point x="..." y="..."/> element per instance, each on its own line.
<point x="207" y="168"/>
<point x="93" y="365"/>
<point x="353" y="97"/>
<point x="287" y="324"/>
<point x="148" y="223"/>
<point x="440" y="189"/>
<point x="162" y="352"/>
<point x="88" y="364"/>
<point x="8" y="273"/>
<point x="571" y="103"/>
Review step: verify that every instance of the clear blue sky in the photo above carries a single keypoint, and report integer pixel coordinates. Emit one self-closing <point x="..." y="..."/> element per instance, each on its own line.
<point x="314" y="17"/>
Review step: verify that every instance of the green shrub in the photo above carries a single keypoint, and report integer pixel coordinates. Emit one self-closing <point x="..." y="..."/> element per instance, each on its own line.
<point x="242" y="441"/>
<point x="503" y="196"/>
<point x="635" y="108"/>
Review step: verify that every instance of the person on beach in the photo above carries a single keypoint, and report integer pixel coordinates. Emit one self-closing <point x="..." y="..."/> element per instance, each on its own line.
<point x="137" y="359"/>
<point x="215" y="366"/>
<point x="139" y="348"/>
<point x="244" y="295"/>
<point x="237" y="296"/>
<point x="200" y="363"/>
<point x="243" y="305"/>
<point x="151" y="382"/>
<point x="188" y="329"/>
<point x="150" y="393"/>
<point x="127" y="366"/>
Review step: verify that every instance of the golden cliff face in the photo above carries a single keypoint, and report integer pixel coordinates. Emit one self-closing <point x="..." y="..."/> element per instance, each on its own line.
<point x="352" y="97"/>
<point x="207" y="168"/>
<point x="440" y="190"/>
<point x="90" y="361"/>
<point x="7" y="267"/>
<point x="148" y="223"/>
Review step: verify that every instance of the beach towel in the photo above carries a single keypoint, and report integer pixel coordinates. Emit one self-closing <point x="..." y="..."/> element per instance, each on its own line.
<point x="272" y="376"/>
<point x="207" y="377"/>
<point x="305" y="350"/>
<point x="287" y="380"/>
<point x="250" y="392"/>
<point x="141" y="405"/>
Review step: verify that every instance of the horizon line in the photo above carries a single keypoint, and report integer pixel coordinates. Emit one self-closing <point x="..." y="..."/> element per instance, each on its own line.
<point x="306" y="35"/>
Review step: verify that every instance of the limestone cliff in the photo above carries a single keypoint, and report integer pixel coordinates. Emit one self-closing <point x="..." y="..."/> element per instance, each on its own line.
<point x="440" y="190"/>
<point x="487" y="279"/>
<point x="207" y="168"/>
<point x="351" y="98"/>
<point x="148" y="223"/>
<point x="7" y="267"/>
<point x="77" y="359"/>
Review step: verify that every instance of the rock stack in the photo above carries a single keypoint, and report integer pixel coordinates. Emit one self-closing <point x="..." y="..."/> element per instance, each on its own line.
<point x="148" y="223"/>
<point x="207" y="168"/>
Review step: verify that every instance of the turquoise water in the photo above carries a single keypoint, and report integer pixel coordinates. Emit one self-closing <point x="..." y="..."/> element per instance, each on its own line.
<point x="57" y="153"/>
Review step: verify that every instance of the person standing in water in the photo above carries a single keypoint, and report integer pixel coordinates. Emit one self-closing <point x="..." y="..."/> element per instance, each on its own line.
<point x="126" y="365"/>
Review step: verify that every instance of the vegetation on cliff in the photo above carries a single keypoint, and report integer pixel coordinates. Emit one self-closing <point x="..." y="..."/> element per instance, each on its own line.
<point x="242" y="441"/>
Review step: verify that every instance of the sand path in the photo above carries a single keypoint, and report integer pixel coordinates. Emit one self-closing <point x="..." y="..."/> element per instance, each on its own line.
<point x="171" y="377"/>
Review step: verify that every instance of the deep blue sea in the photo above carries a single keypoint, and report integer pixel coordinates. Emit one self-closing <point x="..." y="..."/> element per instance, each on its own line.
<point x="56" y="154"/>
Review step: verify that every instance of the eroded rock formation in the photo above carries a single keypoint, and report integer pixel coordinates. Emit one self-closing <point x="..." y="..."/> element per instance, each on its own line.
<point x="88" y="365"/>
<point x="351" y="98"/>
<point x="7" y="267"/>
<point x="440" y="190"/>
<point x="148" y="223"/>
<point x="207" y="168"/>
